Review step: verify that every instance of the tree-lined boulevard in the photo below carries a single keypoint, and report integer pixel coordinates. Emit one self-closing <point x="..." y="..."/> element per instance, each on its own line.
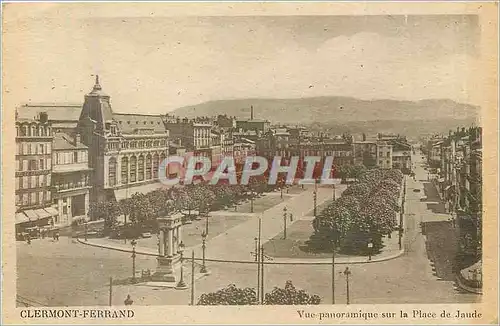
<point x="71" y="273"/>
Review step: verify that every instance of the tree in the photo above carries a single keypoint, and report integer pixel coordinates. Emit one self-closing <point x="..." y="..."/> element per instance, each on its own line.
<point x="202" y="196"/>
<point x="334" y="222"/>
<point x="106" y="210"/>
<point x="358" y="190"/>
<point x="125" y="208"/>
<point x="357" y="171"/>
<point x="289" y="295"/>
<point x="161" y="203"/>
<point x="141" y="209"/>
<point x="230" y="295"/>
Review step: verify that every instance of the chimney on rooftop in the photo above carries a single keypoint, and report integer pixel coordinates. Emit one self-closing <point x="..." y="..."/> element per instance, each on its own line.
<point x="251" y="112"/>
<point x="76" y="139"/>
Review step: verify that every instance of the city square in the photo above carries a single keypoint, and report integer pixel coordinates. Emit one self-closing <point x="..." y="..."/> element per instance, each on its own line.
<point x="249" y="160"/>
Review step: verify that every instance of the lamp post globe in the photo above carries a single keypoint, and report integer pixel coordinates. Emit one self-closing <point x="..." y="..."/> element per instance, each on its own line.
<point x="181" y="285"/>
<point x="203" y="247"/>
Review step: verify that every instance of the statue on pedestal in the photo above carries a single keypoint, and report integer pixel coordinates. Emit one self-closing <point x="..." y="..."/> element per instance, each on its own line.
<point x="168" y="245"/>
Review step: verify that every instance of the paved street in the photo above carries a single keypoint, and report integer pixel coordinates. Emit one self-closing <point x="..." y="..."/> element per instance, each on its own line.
<point x="74" y="274"/>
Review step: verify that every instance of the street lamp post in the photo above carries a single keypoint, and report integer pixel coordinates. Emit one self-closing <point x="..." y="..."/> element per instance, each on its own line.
<point x="333" y="193"/>
<point x="203" y="247"/>
<point x="370" y="249"/>
<point x="347" y="272"/>
<point x="133" y="243"/>
<point x="181" y="285"/>
<point x="256" y="249"/>
<point x="86" y="231"/>
<point x="333" y="273"/>
<point x="206" y="225"/>
<point x="281" y="189"/>
<point x="315" y="197"/>
<point x="284" y="222"/>
<point x="251" y="201"/>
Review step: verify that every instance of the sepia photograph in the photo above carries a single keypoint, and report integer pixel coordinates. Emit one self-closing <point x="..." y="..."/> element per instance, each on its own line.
<point x="248" y="159"/>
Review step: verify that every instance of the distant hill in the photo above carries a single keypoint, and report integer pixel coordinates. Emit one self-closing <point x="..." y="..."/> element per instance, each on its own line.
<point x="334" y="109"/>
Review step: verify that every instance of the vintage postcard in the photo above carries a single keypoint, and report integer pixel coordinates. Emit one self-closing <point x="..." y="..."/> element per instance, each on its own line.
<point x="249" y="163"/>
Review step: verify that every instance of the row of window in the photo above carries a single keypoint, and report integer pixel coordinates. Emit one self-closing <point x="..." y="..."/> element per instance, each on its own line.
<point x="135" y="169"/>
<point x="34" y="181"/>
<point x="137" y="144"/>
<point x="33" y="198"/>
<point x="202" y="132"/>
<point x="71" y="157"/>
<point x="28" y="148"/>
<point x="201" y="142"/>
<point x="381" y="154"/>
<point x="33" y="130"/>
<point x="33" y="165"/>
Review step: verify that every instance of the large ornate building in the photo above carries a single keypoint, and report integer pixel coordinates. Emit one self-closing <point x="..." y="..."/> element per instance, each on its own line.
<point x="125" y="150"/>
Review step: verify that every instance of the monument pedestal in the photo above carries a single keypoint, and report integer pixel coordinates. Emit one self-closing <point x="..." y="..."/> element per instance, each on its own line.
<point x="165" y="271"/>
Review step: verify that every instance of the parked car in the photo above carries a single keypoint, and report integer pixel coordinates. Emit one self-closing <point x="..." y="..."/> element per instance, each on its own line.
<point x="146" y="235"/>
<point x="416" y="190"/>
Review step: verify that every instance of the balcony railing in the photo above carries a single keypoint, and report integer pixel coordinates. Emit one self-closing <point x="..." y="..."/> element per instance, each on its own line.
<point x="70" y="186"/>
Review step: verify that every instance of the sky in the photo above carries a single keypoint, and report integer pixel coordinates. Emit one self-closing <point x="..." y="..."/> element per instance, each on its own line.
<point x="156" y="64"/>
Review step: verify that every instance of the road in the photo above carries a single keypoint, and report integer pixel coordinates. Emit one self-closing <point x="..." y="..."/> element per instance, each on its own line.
<point x="70" y="274"/>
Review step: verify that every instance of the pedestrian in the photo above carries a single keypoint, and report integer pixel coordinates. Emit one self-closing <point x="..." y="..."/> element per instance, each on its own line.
<point x="28" y="239"/>
<point x="128" y="301"/>
<point x="57" y="235"/>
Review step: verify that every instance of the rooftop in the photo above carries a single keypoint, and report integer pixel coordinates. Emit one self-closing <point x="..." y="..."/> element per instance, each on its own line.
<point x="63" y="141"/>
<point x="130" y="123"/>
<point x="55" y="111"/>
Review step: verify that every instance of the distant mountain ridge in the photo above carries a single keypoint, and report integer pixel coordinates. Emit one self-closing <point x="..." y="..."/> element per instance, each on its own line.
<point x="333" y="109"/>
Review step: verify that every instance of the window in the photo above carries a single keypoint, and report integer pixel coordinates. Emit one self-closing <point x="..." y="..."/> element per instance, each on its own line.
<point x="75" y="157"/>
<point x="25" y="182"/>
<point x="32" y="165"/>
<point x="388" y="154"/>
<point x="156" y="160"/>
<point x="141" y="168"/>
<point x="133" y="169"/>
<point x="40" y="149"/>
<point x="148" y="167"/>
<point x="41" y="164"/>
<point x="112" y="171"/>
<point x="125" y="170"/>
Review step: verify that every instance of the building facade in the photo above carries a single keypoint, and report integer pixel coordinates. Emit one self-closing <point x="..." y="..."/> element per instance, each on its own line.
<point x="34" y="170"/>
<point x="70" y="178"/>
<point x="384" y="155"/>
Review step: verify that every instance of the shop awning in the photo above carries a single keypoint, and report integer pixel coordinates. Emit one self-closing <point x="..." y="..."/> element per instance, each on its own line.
<point x="143" y="189"/>
<point x="31" y="214"/>
<point x="21" y="218"/>
<point x="52" y="211"/>
<point x="42" y="213"/>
